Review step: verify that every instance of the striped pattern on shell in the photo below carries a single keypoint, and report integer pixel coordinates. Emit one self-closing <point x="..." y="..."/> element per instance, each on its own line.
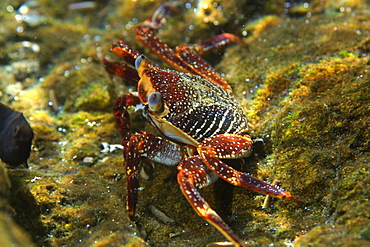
<point x="197" y="106"/>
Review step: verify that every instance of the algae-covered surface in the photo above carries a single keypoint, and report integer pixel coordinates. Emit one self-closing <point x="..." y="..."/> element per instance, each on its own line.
<point x="303" y="81"/>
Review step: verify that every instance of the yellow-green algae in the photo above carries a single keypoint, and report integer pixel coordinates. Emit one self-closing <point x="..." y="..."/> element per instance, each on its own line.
<point x="304" y="82"/>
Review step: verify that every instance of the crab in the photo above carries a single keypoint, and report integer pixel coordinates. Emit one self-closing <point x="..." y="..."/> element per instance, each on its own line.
<point x="199" y="120"/>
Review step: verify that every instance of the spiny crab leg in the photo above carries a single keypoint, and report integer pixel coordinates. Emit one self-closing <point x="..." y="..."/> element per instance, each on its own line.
<point x="121" y="115"/>
<point x="244" y="180"/>
<point x="159" y="16"/>
<point x="192" y="174"/>
<point x="138" y="145"/>
<point x="128" y="54"/>
<point x="185" y="58"/>
<point x="146" y="33"/>
<point x="216" y="42"/>
<point x="199" y="66"/>
<point x="226" y="146"/>
<point x="122" y="71"/>
<point x="154" y="148"/>
<point x="190" y="55"/>
<point x="127" y="69"/>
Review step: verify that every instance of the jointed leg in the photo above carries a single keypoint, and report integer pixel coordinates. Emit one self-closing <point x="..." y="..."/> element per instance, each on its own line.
<point x="216" y="42"/>
<point x="139" y="145"/>
<point x="184" y="57"/>
<point x="152" y="147"/>
<point x="190" y="55"/>
<point x="125" y="70"/>
<point x="235" y="146"/>
<point x="192" y="174"/>
<point x="121" y="115"/>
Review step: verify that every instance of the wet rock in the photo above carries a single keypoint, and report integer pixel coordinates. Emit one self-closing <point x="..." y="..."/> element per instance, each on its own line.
<point x="11" y="234"/>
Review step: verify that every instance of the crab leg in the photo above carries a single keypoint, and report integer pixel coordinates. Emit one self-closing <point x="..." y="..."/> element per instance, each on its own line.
<point x="185" y="57"/>
<point x="154" y="148"/>
<point x="122" y="71"/>
<point x="126" y="70"/>
<point x="199" y="66"/>
<point x="216" y="42"/>
<point x="124" y="52"/>
<point x="192" y="174"/>
<point x="226" y="146"/>
<point x="121" y="115"/>
<point x="190" y="55"/>
<point x="146" y="34"/>
<point x="139" y="145"/>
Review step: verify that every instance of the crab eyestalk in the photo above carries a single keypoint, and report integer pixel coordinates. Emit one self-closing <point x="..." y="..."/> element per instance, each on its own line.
<point x="145" y="87"/>
<point x="141" y="64"/>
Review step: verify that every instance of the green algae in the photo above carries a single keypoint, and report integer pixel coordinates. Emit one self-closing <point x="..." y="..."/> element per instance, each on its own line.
<point x="304" y="87"/>
<point x="93" y="98"/>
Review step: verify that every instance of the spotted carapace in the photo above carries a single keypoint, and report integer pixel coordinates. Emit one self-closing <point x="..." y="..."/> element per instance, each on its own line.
<point x="200" y="121"/>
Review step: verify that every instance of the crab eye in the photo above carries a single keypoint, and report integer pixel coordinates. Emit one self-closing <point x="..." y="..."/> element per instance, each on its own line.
<point x="155" y="102"/>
